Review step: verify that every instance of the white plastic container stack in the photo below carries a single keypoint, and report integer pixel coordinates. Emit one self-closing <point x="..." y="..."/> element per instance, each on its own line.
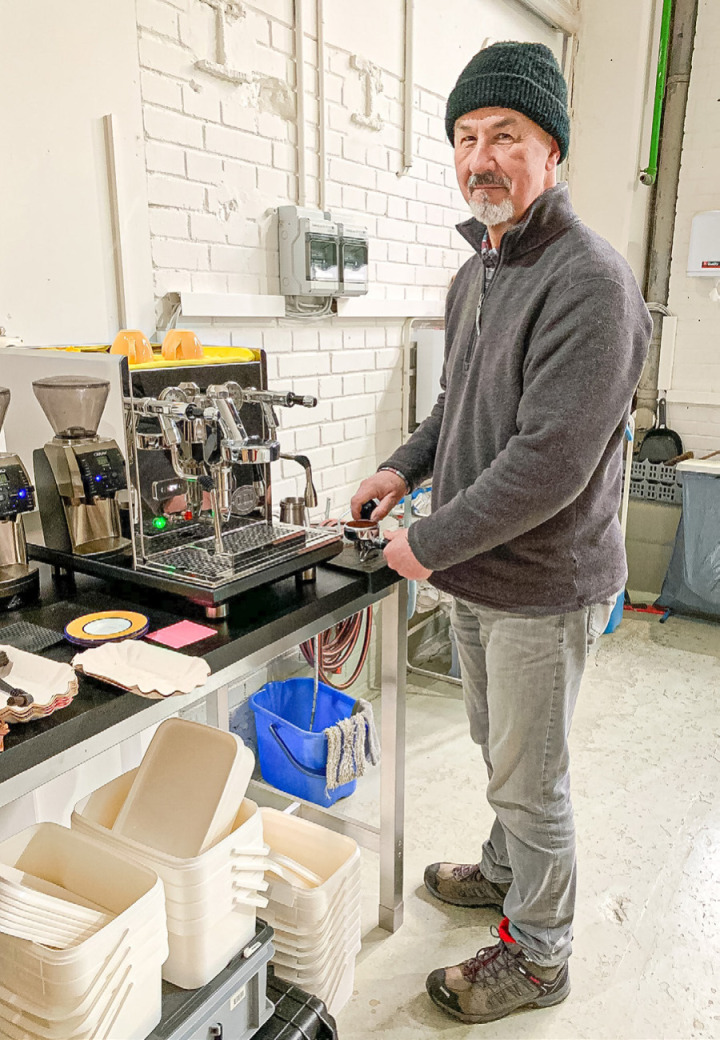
<point x="187" y="790"/>
<point x="211" y="898"/>
<point x="314" y="906"/>
<point x="105" y="986"/>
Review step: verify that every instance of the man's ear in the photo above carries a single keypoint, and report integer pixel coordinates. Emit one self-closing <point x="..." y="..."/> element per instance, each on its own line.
<point x="553" y="159"/>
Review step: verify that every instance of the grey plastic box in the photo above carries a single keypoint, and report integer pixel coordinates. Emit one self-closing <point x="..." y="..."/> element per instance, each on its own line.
<point x="235" y="1000"/>
<point x="655" y="482"/>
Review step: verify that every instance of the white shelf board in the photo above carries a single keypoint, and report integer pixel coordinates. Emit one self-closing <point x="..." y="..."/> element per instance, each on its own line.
<point x="241" y="305"/>
<point x="231" y="305"/>
<point x="368" y="307"/>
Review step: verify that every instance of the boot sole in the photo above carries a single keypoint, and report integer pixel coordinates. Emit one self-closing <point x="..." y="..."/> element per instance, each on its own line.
<point x="461" y="902"/>
<point x="542" y="1002"/>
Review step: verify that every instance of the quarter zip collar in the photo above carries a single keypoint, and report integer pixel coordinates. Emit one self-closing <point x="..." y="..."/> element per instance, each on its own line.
<point x="548" y="215"/>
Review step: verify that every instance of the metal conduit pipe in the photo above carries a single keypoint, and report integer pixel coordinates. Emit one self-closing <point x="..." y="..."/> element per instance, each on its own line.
<point x="408" y="88"/>
<point x="300" y="99"/>
<point x="662" y="229"/>
<point x="322" y="113"/>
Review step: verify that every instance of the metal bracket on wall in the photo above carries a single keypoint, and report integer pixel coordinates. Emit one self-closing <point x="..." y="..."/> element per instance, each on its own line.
<point x="372" y="75"/>
<point x="226" y="11"/>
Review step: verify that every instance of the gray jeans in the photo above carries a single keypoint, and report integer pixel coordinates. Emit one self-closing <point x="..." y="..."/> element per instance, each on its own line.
<point x="521" y="677"/>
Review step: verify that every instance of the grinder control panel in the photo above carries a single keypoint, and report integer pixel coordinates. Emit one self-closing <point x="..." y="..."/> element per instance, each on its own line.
<point x="102" y="472"/>
<point x="17" y="495"/>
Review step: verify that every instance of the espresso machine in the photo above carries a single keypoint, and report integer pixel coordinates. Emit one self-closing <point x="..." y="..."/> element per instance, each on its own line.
<point x="18" y="581"/>
<point x="201" y="441"/>
<point x="77" y="474"/>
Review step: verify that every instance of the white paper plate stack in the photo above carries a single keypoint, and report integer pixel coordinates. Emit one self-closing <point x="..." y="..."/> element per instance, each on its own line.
<point x="183" y="814"/>
<point x="82" y="940"/>
<point x="143" y="668"/>
<point x="51" y="684"/>
<point x="313" y="906"/>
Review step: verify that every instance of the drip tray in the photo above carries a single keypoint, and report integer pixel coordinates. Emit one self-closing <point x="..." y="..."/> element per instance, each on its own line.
<point x="248" y="549"/>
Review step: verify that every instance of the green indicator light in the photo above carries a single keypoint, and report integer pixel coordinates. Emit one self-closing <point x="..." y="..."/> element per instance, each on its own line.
<point x="159" y="523"/>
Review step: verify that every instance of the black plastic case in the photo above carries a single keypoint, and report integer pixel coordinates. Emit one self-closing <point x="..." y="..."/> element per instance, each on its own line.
<point x="298" y="1015"/>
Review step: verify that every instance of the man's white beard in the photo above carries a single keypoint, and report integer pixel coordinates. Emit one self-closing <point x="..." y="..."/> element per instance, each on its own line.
<point x="491" y="213"/>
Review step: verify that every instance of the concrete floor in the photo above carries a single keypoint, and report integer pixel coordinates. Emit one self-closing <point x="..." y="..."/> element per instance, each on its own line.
<point x="646" y="781"/>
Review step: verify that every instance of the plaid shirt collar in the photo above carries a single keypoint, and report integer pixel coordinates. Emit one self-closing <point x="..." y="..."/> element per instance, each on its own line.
<point x="489" y="255"/>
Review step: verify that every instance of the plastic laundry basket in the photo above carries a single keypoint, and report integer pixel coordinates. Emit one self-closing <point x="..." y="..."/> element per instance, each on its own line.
<point x="292" y="757"/>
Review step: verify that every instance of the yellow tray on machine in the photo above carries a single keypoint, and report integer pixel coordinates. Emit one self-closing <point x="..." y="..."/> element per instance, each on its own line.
<point x="211" y="356"/>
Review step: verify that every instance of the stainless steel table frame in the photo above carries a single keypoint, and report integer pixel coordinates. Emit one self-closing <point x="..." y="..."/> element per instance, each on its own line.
<point x="387" y="839"/>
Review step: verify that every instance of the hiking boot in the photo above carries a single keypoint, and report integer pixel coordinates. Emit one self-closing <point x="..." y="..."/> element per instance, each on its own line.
<point x="497" y="981"/>
<point x="463" y="884"/>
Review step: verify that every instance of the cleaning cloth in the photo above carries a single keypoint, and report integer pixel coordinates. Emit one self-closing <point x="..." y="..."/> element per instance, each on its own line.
<point x="352" y="744"/>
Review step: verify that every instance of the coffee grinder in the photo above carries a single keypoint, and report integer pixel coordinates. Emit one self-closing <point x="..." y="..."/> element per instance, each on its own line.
<point x="18" y="582"/>
<point x="77" y="473"/>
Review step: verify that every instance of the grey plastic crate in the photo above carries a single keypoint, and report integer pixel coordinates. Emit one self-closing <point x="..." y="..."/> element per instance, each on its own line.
<point x="669" y="493"/>
<point x="655" y="482"/>
<point x="653" y="491"/>
<point x="236" y="999"/>
<point x="655" y="471"/>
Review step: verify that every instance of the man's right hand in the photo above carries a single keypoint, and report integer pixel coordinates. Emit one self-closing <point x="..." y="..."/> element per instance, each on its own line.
<point x="386" y="486"/>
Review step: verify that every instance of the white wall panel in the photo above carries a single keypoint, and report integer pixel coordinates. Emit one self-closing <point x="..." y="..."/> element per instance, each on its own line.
<point x="62" y="68"/>
<point x="696" y="368"/>
<point x="612" y="116"/>
<point x="450" y="33"/>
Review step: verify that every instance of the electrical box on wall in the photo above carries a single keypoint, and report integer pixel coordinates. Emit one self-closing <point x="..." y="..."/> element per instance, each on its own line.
<point x="353" y="260"/>
<point x="704" y="254"/>
<point x="320" y="257"/>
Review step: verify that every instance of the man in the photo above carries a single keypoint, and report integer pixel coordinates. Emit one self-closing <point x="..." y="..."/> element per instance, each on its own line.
<point x="546" y="335"/>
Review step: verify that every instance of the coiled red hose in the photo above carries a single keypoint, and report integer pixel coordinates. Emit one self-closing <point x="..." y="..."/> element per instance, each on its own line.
<point x="336" y="646"/>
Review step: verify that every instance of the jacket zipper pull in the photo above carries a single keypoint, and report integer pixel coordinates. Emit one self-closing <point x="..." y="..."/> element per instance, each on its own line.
<point x="476" y="337"/>
<point x="477" y="314"/>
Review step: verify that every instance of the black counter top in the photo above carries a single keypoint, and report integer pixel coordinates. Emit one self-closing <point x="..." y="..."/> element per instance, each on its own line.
<point x="257" y="619"/>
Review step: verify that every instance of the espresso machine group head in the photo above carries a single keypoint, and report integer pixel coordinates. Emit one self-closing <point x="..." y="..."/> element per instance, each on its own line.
<point x="77" y="473"/>
<point x="206" y="439"/>
<point x="18" y="581"/>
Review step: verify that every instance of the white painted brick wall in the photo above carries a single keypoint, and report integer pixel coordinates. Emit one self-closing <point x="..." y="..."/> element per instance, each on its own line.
<point x="220" y="160"/>
<point x="697" y="351"/>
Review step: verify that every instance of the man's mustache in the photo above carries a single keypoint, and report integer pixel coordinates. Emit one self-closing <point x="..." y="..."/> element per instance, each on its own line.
<point x="477" y="180"/>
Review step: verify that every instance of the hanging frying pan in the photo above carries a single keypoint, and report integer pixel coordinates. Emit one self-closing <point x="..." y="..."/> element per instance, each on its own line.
<point x="660" y="443"/>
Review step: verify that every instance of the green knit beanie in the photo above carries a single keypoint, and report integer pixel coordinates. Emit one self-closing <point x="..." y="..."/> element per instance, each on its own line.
<point x="523" y="76"/>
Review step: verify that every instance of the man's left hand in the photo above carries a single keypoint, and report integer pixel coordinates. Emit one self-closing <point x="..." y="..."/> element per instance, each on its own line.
<point x="401" y="558"/>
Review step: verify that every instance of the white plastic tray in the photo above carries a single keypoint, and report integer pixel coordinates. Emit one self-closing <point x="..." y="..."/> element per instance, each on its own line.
<point x="187" y="790"/>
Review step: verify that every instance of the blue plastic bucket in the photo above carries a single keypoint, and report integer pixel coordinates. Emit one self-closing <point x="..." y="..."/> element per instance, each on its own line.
<point x="293" y="758"/>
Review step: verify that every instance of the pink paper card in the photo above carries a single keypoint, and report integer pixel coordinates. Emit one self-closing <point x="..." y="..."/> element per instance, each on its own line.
<point x="182" y="633"/>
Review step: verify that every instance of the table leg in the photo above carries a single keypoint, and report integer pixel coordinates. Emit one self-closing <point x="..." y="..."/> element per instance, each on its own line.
<point x="392" y="765"/>
<point x="218" y="711"/>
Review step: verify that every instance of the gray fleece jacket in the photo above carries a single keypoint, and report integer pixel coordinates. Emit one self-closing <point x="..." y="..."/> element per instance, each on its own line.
<point x="524" y="444"/>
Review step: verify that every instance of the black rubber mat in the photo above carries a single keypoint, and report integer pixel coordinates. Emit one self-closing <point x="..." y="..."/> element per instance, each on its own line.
<point x="25" y="636"/>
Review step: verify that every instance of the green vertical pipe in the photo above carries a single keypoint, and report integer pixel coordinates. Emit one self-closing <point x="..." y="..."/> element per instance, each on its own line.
<point x="649" y="174"/>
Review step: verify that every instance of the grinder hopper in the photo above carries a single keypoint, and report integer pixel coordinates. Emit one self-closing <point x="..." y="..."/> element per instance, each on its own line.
<point x="73" y="404"/>
<point x="78" y="474"/>
<point x="4" y="402"/>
